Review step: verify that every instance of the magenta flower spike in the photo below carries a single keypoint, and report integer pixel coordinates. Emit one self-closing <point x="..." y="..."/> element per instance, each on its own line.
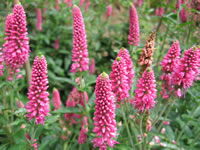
<point x="109" y="11"/>
<point x="75" y="97"/>
<point x="134" y="30"/>
<point x="169" y="63"/>
<point x="129" y="64"/>
<point x="16" y="48"/>
<point x="56" y="44"/>
<point x="104" y="116"/>
<point x="39" y="19"/>
<point x="38" y="105"/>
<point x="87" y="5"/>
<point x="84" y="130"/>
<point x="68" y="2"/>
<point x="79" y="53"/>
<point x="145" y="93"/>
<point x="183" y="16"/>
<point x="81" y="3"/>
<point x="92" y="66"/>
<point x="57" y="5"/>
<point x="119" y="79"/>
<point x="56" y="99"/>
<point x="139" y="3"/>
<point x="187" y="70"/>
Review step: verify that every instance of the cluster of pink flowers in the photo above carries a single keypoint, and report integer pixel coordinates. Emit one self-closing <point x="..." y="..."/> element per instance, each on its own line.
<point x="38" y="105"/>
<point x="16" y="48"/>
<point x="57" y="5"/>
<point x="92" y="66"/>
<point x="129" y="65"/>
<point x="104" y="116"/>
<point x="68" y="2"/>
<point x="84" y="130"/>
<point x="183" y="13"/>
<point x="75" y="97"/>
<point x="79" y="53"/>
<point x="56" y="44"/>
<point x="56" y="99"/>
<point x="145" y="93"/>
<point x="81" y="3"/>
<point x="159" y="12"/>
<point x="39" y="19"/>
<point x="139" y="3"/>
<point x="35" y="144"/>
<point x="119" y="79"/>
<point x="187" y="70"/>
<point x="109" y="11"/>
<point x="169" y="63"/>
<point x="134" y="30"/>
<point x="87" y="5"/>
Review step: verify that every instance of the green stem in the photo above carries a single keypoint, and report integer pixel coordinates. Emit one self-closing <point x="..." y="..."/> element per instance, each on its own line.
<point x="161" y="113"/>
<point x="188" y="122"/>
<point x="127" y="128"/>
<point x="168" y="110"/>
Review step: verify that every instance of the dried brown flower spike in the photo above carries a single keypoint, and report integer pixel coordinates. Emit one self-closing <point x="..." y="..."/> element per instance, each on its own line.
<point x="146" y="58"/>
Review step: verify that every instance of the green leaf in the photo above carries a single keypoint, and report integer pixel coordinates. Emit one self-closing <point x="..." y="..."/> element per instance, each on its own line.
<point x="68" y="110"/>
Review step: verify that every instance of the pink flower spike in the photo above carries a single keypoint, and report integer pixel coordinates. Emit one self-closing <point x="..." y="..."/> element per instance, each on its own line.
<point x="109" y="11"/>
<point x="134" y="30"/>
<point x="56" y="99"/>
<point x="145" y="93"/>
<point x="139" y="3"/>
<point x="84" y="130"/>
<point x="157" y="11"/>
<point x="69" y="2"/>
<point x="39" y="19"/>
<point x="161" y="12"/>
<point x="38" y="105"/>
<point x="75" y="97"/>
<point x="16" y="48"/>
<point x="183" y="15"/>
<point x="129" y="64"/>
<point x="169" y="63"/>
<point x="92" y="66"/>
<point x="81" y="3"/>
<point x="187" y="70"/>
<point x="119" y="79"/>
<point x="56" y="44"/>
<point x="87" y="5"/>
<point x="79" y="53"/>
<point x="105" y="124"/>
<point x="57" y="5"/>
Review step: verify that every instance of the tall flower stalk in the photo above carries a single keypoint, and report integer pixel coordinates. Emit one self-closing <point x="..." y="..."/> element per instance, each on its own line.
<point x="104" y="116"/>
<point x="134" y="30"/>
<point x="79" y="53"/>
<point x="16" y="48"/>
<point x="119" y="79"/>
<point x="187" y="70"/>
<point x="38" y="104"/>
<point x="169" y="63"/>
<point x="146" y="58"/>
<point x="124" y="53"/>
<point x="145" y="94"/>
